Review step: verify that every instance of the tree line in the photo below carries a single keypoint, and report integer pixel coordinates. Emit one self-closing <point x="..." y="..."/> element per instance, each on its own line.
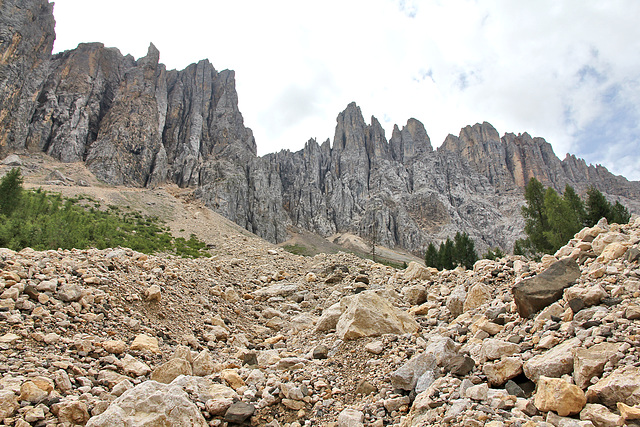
<point x="551" y="219"/>
<point x="451" y="253"/>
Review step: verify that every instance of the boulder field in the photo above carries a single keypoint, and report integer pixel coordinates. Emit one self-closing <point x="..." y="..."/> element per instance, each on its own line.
<point x="255" y="335"/>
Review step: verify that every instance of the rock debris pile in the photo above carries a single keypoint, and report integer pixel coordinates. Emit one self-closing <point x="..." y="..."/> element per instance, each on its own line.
<point x="258" y="336"/>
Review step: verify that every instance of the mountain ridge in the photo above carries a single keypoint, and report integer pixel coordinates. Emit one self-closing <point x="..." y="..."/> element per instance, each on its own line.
<point x="135" y="123"/>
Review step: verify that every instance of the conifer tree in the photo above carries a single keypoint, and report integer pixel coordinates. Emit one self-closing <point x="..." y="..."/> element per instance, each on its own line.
<point x="597" y="206"/>
<point x="576" y="205"/>
<point x="10" y="191"/>
<point x="464" y="250"/>
<point x="563" y="221"/>
<point x="431" y="256"/>
<point x="619" y="213"/>
<point x="446" y="255"/>
<point x="534" y="216"/>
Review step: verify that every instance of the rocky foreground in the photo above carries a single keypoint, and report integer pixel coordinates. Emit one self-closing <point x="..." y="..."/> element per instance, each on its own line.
<point x="258" y="336"/>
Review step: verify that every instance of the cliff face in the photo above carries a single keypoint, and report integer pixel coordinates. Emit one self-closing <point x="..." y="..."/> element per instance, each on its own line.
<point x="400" y="191"/>
<point x="135" y="123"/>
<point x="26" y="41"/>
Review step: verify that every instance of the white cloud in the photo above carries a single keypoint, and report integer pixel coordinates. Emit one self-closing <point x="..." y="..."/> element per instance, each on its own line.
<point x="545" y="67"/>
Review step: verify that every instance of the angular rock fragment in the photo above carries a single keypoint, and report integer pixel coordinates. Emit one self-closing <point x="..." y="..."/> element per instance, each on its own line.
<point x="367" y="314"/>
<point x="555" y="394"/>
<point x="533" y="294"/>
<point x="239" y="412"/>
<point x="350" y="418"/>
<point x="555" y="362"/>
<point x="415" y="271"/>
<point x="590" y="362"/>
<point x="407" y="375"/>
<point x="503" y="370"/>
<point x="151" y="403"/>
<point x="599" y="415"/>
<point x="622" y="385"/>
<point x="170" y="370"/>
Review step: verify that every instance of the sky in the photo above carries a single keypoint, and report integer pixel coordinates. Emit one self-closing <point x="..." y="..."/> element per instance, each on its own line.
<point x="564" y="70"/>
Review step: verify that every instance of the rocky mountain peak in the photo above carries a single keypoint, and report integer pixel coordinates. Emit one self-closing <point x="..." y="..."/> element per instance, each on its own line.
<point x="350" y="130"/>
<point x="409" y="142"/>
<point x="135" y="123"/>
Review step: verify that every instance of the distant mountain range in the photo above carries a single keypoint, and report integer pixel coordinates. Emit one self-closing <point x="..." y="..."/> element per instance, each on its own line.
<point x="135" y="123"/>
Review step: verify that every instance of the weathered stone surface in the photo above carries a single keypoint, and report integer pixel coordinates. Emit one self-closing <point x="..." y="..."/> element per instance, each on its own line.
<point x="407" y="375"/>
<point x="591" y="295"/>
<point x="603" y="240"/>
<point x="133" y="366"/>
<point x="153" y="293"/>
<point x="203" y="364"/>
<point x="238" y="412"/>
<point x="218" y="406"/>
<point x="367" y="314"/>
<point x="114" y="346"/>
<point x="70" y="292"/>
<point x="503" y="370"/>
<point x="532" y="295"/>
<point x="477" y="295"/>
<point x="350" y="418"/>
<point x="329" y="318"/>
<point x="455" y="301"/>
<point x="599" y="415"/>
<point x="622" y="385"/>
<point x="613" y="251"/>
<point x="8" y="403"/>
<point x="32" y="392"/>
<point x="590" y="362"/>
<point x="554" y="394"/>
<point x="416" y="271"/>
<point x="458" y="365"/>
<point x="25" y="52"/>
<point x="632" y="312"/>
<point x="493" y="349"/>
<point x="151" y="403"/>
<point x="552" y="363"/>
<point x="628" y="413"/>
<point x="145" y="343"/>
<point x="444" y="349"/>
<point x="73" y="412"/>
<point x="415" y="295"/>
<point x="170" y="370"/>
<point x="232" y="378"/>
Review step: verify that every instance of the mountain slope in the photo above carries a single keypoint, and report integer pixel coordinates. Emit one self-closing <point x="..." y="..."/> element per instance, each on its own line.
<point x="135" y="123"/>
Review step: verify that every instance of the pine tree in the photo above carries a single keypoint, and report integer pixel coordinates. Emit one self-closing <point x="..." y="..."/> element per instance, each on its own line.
<point x="464" y="250"/>
<point x="576" y="205"/>
<point x="620" y="214"/>
<point x="497" y="253"/>
<point x="534" y="216"/>
<point x="523" y="247"/>
<point x="10" y="191"/>
<point x="431" y="256"/>
<point x="563" y="221"/>
<point x="446" y="255"/>
<point x="597" y="206"/>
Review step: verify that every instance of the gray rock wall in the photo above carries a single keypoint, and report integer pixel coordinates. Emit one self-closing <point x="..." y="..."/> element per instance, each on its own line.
<point x="135" y="123"/>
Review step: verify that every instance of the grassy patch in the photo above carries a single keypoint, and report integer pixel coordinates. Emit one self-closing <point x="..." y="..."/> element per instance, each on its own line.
<point x="42" y="220"/>
<point x="299" y="250"/>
